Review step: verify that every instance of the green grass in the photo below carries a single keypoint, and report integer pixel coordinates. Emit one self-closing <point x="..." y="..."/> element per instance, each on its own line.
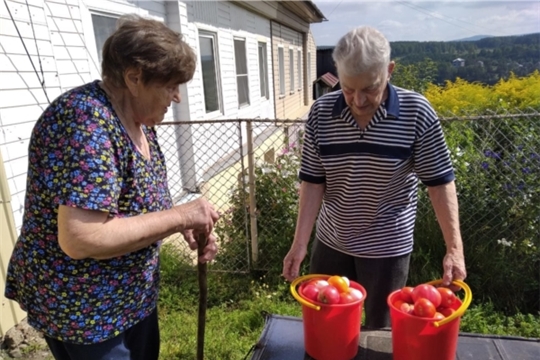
<point x="233" y="324"/>
<point x="236" y="307"/>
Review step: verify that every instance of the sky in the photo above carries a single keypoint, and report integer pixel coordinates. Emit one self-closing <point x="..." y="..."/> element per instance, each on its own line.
<point x="415" y="20"/>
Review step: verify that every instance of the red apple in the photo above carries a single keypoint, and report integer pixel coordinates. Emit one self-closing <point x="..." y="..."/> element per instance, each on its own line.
<point x="407" y="308"/>
<point x="346" y="298"/>
<point x="329" y="295"/>
<point x="310" y="292"/>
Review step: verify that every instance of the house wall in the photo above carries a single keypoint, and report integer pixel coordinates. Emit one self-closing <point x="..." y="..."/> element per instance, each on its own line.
<point x="58" y="35"/>
<point x="312" y="73"/>
<point x="227" y="21"/>
<point x="293" y="103"/>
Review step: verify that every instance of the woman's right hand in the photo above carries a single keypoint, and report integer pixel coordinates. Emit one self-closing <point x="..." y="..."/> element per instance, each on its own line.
<point x="198" y="215"/>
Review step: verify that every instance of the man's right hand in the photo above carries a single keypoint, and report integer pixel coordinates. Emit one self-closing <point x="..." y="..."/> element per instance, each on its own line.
<point x="293" y="260"/>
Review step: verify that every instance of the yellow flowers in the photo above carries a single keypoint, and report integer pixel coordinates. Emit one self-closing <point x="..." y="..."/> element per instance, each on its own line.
<point x="461" y="97"/>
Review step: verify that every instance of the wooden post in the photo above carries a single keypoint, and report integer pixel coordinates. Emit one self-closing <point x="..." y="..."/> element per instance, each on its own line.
<point x="252" y="201"/>
<point x="203" y="294"/>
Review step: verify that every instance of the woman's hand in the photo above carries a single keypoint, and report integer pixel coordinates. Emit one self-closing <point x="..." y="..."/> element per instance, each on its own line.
<point x="210" y="250"/>
<point x="198" y="215"/>
<point x="199" y="219"/>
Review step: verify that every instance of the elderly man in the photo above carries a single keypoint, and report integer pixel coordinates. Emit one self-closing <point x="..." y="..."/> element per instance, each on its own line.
<point x="365" y="148"/>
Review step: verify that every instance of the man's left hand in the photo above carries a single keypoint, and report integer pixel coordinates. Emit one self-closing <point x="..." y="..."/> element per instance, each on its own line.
<point x="453" y="267"/>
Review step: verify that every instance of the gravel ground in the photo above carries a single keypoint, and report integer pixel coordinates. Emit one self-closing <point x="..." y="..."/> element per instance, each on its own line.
<point x="25" y="343"/>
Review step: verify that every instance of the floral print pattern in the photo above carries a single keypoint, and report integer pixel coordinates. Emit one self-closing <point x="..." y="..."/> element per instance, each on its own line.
<point x="81" y="156"/>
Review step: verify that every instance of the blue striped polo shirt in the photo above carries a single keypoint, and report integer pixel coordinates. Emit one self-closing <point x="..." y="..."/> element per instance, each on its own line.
<point x="371" y="175"/>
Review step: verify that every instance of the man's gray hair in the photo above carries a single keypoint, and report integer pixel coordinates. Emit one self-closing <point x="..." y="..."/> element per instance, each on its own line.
<point x="360" y="50"/>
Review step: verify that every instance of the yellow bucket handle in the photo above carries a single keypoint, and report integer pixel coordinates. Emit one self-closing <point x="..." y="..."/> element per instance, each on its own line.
<point x="464" y="305"/>
<point x="301" y="279"/>
<point x="458" y="313"/>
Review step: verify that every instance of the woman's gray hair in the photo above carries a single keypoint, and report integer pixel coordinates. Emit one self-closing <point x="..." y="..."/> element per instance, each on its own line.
<point x="360" y="50"/>
<point x="160" y="53"/>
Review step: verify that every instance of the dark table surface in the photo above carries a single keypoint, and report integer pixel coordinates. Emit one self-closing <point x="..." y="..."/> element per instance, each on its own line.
<point x="283" y="339"/>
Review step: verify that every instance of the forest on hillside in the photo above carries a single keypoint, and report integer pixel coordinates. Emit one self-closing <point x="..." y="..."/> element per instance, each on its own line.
<point x="486" y="60"/>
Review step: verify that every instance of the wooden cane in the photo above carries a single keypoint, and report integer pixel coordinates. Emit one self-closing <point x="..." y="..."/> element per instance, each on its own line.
<point x="203" y="290"/>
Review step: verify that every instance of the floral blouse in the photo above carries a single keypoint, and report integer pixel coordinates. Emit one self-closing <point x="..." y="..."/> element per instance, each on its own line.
<point x="80" y="155"/>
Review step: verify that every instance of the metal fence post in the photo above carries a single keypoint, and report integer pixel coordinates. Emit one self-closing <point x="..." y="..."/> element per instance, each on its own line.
<point x="252" y="192"/>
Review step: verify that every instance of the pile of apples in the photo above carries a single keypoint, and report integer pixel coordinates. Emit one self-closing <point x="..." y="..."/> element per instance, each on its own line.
<point x="334" y="290"/>
<point x="426" y="301"/>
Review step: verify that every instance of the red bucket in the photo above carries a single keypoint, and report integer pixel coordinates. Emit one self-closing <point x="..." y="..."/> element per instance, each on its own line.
<point x="331" y="332"/>
<point x="417" y="338"/>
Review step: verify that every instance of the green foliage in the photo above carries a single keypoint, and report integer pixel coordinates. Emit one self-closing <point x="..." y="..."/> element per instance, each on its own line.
<point x="486" y="61"/>
<point x="416" y="77"/>
<point x="497" y="164"/>
<point x="483" y="319"/>
<point x="277" y="209"/>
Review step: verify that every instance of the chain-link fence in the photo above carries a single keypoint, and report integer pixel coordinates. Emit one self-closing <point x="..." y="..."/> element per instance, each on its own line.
<point x="248" y="169"/>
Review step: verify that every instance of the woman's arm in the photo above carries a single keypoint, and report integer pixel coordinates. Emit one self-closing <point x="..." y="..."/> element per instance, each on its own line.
<point x="93" y="234"/>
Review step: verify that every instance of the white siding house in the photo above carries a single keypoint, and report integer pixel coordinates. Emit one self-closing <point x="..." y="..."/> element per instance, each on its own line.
<point x="50" y="46"/>
<point x="233" y="79"/>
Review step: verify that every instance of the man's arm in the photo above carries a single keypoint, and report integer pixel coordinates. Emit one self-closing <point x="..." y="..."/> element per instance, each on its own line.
<point x="311" y="196"/>
<point x="445" y="203"/>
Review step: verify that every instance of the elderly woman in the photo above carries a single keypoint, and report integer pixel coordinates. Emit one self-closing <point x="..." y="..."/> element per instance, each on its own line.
<point x="86" y="264"/>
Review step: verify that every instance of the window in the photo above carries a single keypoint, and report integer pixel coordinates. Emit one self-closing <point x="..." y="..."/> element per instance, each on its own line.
<point x="263" y="70"/>
<point x="299" y="65"/>
<point x="309" y="68"/>
<point x="207" y="45"/>
<point x="281" y="60"/>
<point x="241" y="71"/>
<point x="291" y="68"/>
<point x="104" y="26"/>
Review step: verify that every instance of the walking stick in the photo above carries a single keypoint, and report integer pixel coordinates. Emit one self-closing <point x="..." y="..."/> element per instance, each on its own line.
<point x="201" y="272"/>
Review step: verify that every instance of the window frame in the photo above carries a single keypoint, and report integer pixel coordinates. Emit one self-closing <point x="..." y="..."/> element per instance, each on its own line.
<point x="246" y="75"/>
<point x="263" y="82"/>
<point x="299" y="68"/>
<point x="309" y="68"/>
<point x="215" y="48"/>
<point x="97" y="49"/>
<point x="292" y="88"/>
<point x="90" y="34"/>
<point x="281" y="71"/>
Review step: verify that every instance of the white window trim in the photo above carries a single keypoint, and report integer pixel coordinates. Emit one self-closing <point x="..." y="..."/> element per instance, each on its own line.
<point x="299" y="67"/>
<point x="308" y="75"/>
<point x="291" y="71"/>
<point x="284" y="94"/>
<point x="90" y="39"/>
<point x="266" y="43"/>
<point x="213" y="32"/>
<point x="103" y="8"/>
<point x="246" y="45"/>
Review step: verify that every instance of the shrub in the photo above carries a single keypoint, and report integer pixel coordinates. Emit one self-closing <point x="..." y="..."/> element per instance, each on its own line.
<point x="497" y="164"/>
<point x="276" y="189"/>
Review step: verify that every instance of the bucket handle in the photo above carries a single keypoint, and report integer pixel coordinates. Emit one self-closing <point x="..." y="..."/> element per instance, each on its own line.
<point x="300" y="299"/>
<point x="464" y="305"/>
